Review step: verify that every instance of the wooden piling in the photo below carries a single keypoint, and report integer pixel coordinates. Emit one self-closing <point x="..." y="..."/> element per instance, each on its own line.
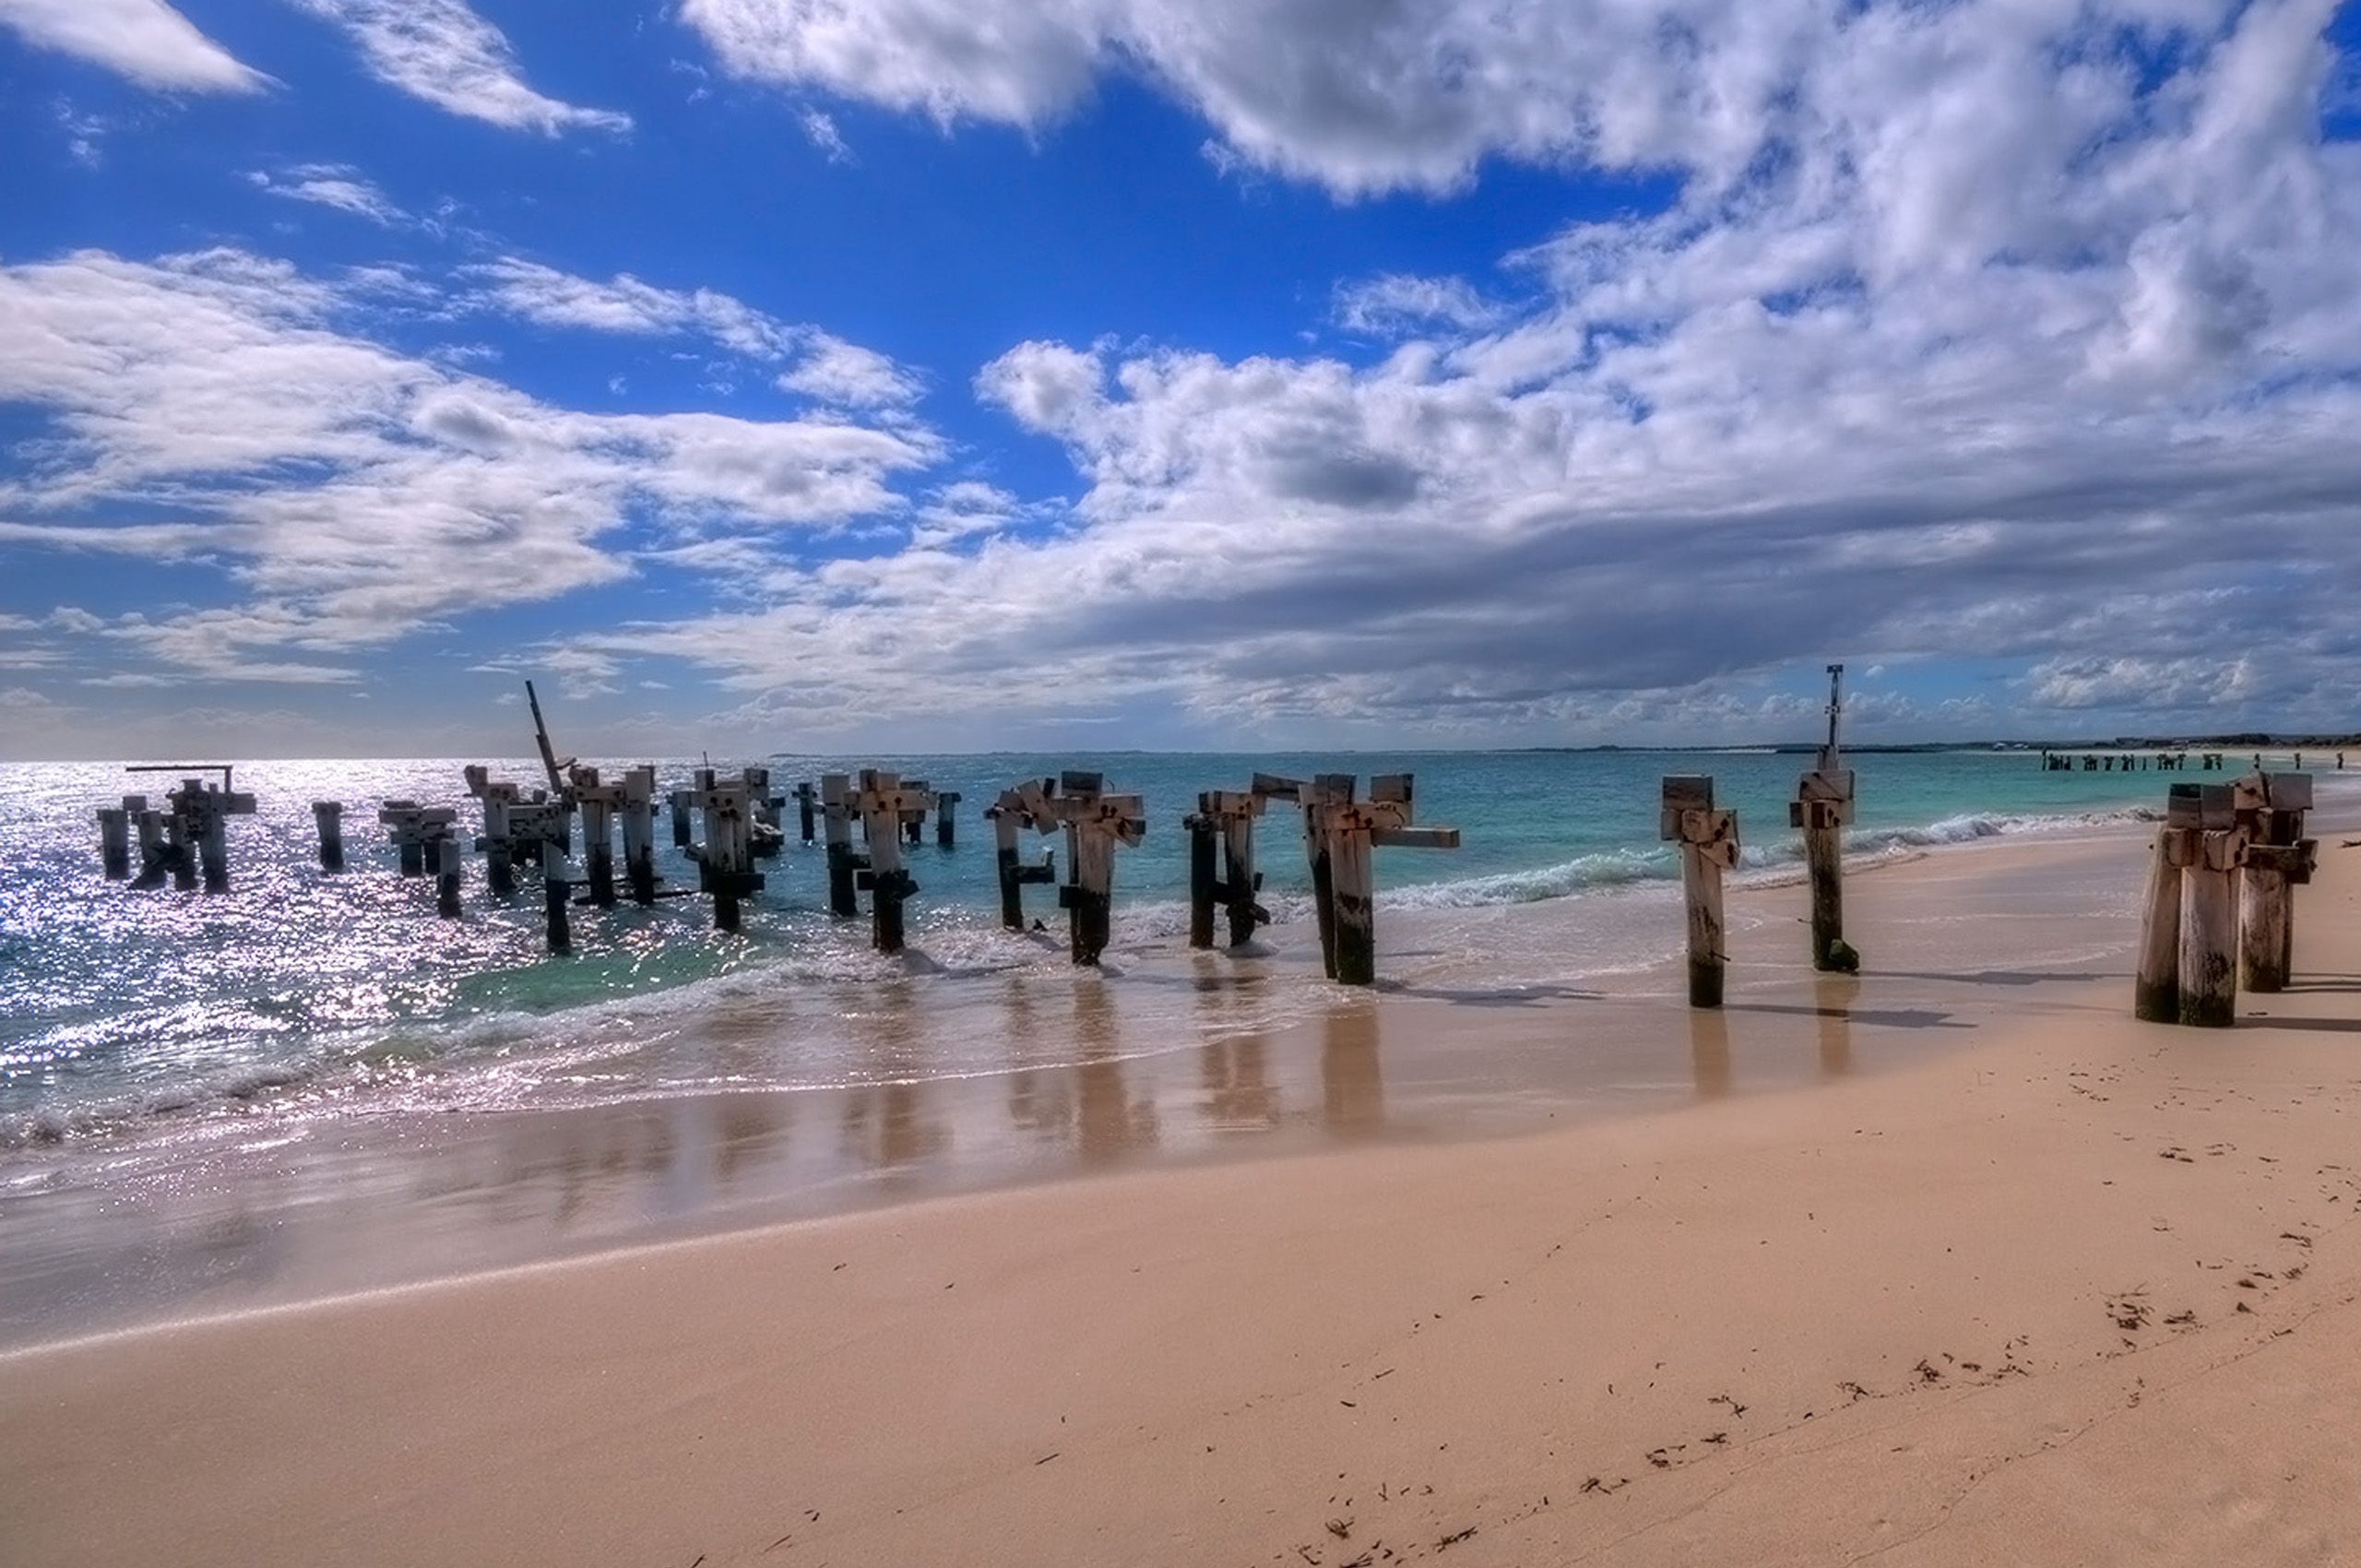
<point x="2156" y="995"/>
<point x="2208" y="933"/>
<point x="1204" y="833"/>
<point x="1352" y="893"/>
<point x="946" y="834"/>
<point x="114" y="843"/>
<point x="681" y="836"/>
<point x="1095" y="823"/>
<point x="2275" y="858"/>
<point x="448" y="858"/>
<point x="639" y="833"/>
<point x="497" y="841"/>
<point x="1709" y="845"/>
<point x="330" y="815"/>
<point x="150" y="827"/>
<point x="1327" y="790"/>
<point x="805" y="798"/>
<point x="835" y="791"/>
<point x="1239" y="881"/>
<point x="557" y="893"/>
<point x="726" y="860"/>
<point x="886" y="803"/>
<point x="598" y="803"/>
<point x="1022" y="806"/>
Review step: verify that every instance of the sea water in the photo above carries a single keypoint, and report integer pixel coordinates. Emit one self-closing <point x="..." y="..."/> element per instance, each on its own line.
<point x="128" y="1017"/>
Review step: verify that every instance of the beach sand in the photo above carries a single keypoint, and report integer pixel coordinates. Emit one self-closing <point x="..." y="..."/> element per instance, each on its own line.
<point x="2073" y="1289"/>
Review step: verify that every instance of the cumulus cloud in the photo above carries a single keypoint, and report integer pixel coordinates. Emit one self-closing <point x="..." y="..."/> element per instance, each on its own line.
<point x="2021" y="332"/>
<point x="443" y="52"/>
<point x="356" y="492"/>
<point x="145" y="41"/>
<point x="339" y="186"/>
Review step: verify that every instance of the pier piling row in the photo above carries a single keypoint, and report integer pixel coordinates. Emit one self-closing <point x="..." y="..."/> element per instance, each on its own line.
<point x="1019" y="807"/>
<point x="1095" y="823"/>
<point x="1709" y="847"/>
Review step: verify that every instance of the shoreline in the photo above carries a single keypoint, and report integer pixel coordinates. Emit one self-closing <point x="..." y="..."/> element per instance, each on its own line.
<point x="265" y="1216"/>
<point x="2082" y="1291"/>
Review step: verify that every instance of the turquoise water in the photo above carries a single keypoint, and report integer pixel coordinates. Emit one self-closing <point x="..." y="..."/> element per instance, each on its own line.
<point x="124" y="1011"/>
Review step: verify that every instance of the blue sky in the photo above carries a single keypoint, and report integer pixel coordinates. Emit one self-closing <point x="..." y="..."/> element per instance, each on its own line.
<point x="768" y="374"/>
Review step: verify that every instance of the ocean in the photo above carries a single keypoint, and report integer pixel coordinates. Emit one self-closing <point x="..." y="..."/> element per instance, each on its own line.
<point x="126" y="1013"/>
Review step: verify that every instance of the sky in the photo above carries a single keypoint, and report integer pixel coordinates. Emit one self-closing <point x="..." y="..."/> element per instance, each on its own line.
<point x="964" y="374"/>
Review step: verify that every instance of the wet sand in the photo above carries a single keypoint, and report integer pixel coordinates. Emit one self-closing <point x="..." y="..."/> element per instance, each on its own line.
<point x="2015" y="1280"/>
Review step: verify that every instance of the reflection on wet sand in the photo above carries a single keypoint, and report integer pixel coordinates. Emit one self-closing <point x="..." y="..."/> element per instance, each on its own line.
<point x="1709" y="1052"/>
<point x="886" y="1124"/>
<point x="1233" y="1068"/>
<point x="1112" y="1124"/>
<point x="1352" y="1086"/>
<point x="1834" y="996"/>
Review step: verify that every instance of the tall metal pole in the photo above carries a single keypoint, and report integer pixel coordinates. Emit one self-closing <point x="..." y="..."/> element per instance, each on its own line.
<point x="541" y="738"/>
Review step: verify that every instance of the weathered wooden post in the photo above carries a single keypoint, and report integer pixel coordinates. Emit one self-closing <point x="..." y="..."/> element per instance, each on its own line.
<point x="1205" y="840"/>
<point x="2275" y="859"/>
<point x="1325" y="790"/>
<point x="499" y="797"/>
<point x="114" y="841"/>
<point x="911" y="824"/>
<point x="885" y="802"/>
<point x="836" y="798"/>
<point x="946" y="835"/>
<point x="727" y="857"/>
<point x="448" y="856"/>
<point x="411" y="827"/>
<point x="180" y="840"/>
<point x="2209" y="906"/>
<point x="204" y="811"/>
<point x="681" y="818"/>
<point x="541" y="830"/>
<point x="1351" y="831"/>
<point x="1027" y="805"/>
<point x="1708" y="840"/>
<point x="1823" y="804"/>
<point x="1096" y="822"/>
<point x="805" y="798"/>
<point x="400" y="818"/>
<point x="639" y="832"/>
<point x="2155" y="991"/>
<point x="598" y="803"/>
<point x="557" y="893"/>
<point x="1239" y="881"/>
<point x="149" y="826"/>
<point x="330" y="816"/>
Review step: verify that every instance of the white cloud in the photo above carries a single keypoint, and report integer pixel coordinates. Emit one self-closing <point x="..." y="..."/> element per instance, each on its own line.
<point x="1396" y="304"/>
<point x="146" y="41"/>
<point x="339" y="186"/>
<point x="821" y="131"/>
<point x="443" y="52"/>
<point x="836" y="372"/>
<point x="625" y="305"/>
<point x="355" y="492"/>
<point x="2018" y="332"/>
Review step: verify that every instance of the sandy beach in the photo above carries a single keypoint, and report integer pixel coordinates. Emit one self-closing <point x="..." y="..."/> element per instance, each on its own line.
<point x="2049" y="1285"/>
